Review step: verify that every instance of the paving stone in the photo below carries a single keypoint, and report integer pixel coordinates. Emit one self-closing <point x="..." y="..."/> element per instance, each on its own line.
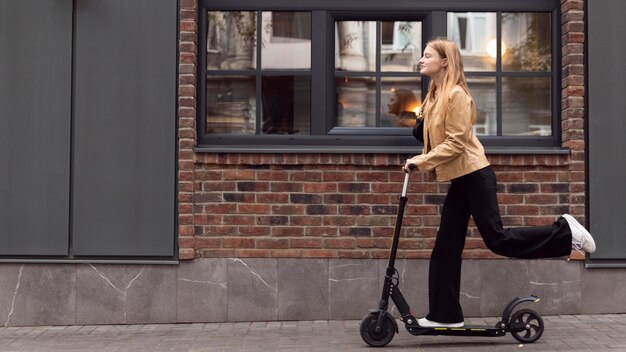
<point x="563" y="333"/>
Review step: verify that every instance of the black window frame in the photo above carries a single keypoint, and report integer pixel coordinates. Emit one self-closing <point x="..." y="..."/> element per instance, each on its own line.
<point x="323" y="137"/>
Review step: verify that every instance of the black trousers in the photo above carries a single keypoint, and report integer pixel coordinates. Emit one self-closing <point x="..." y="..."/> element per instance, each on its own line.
<point x="475" y="194"/>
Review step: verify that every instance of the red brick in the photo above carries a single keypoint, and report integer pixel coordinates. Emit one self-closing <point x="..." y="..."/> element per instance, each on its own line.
<point x="286" y="253"/>
<point x="186" y="253"/>
<point x="254" y="230"/>
<point x="207" y="242"/>
<point x="253" y="208"/>
<point x="252" y="253"/>
<point x="238" y="175"/>
<point x="318" y="253"/>
<point x="354" y="254"/>
<point x="217" y="253"/>
<point x="338" y="176"/>
<point x="188" y="26"/>
<point x="272" y="243"/>
<point x="188" y="4"/>
<point x="339" y="243"/>
<point x="305" y="220"/>
<point x="321" y="231"/>
<point x="272" y="198"/>
<point x="287" y="231"/>
<point x="306" y="243"/>
<point x="320" y="187"/>
<point x="235" y="242"/>
<point x="569" y="5"/>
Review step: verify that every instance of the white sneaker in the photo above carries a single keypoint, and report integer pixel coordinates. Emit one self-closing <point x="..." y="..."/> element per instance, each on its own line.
<point x="581" y="238"/>
<point x="425" y="323"/>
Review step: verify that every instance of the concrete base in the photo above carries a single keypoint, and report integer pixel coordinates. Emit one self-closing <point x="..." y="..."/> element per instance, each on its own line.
<point x="267" y="289"/>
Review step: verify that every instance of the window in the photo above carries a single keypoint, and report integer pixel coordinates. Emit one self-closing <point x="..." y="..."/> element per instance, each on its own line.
<point x="316" y="79"/>
<point x="376" y="83"/>
<point x="258" y="84"/>
<point x="508" y="64"/>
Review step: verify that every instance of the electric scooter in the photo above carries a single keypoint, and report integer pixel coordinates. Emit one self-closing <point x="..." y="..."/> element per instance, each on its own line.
<point x="379" y="326"/>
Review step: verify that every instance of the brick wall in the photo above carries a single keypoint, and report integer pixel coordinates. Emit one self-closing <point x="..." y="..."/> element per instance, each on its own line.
<point x="344" y="206"/>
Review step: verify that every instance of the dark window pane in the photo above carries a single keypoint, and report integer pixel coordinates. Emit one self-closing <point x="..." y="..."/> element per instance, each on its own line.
<point x="483" y="90"/>
<point x="355" y="46"/>
<point x="356" y="101"/>
<point x="528" y="41"/>
<point x="231" y="105"/>
<point x="387" y="33"/>
<point x="403" y="49"/>
<point x="286" y="40"/>
<point x="526" y="108"/>
<point x="286" y="102"/>
<point x="231" y="40"/>
<point x="401" y="98"/>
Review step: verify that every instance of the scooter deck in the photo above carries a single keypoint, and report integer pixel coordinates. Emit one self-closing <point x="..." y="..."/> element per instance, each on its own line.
<point x="467" y="330"/>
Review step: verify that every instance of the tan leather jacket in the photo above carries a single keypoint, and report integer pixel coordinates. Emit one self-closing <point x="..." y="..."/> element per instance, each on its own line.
<point x="451" y="149"/>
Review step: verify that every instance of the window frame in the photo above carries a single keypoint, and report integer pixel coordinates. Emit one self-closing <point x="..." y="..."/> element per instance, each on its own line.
<point x="323" y="136"/>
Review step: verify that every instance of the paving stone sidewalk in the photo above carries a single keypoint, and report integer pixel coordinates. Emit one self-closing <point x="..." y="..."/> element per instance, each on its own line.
<point x="563" y="333"/>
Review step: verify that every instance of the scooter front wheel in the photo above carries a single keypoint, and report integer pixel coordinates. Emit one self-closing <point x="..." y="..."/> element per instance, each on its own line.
<point x="371" y="336"/>
<point x="532" y="324"/>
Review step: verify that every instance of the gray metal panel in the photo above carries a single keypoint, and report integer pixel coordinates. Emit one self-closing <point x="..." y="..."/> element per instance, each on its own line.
<point x="607" y="126"/>
<point x="125" y="121"/>
<point x="35" y="97"/>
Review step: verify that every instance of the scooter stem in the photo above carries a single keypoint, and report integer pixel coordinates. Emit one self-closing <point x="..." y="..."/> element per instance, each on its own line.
<point x="398" y="226"/>
<point x="405" y="187"/>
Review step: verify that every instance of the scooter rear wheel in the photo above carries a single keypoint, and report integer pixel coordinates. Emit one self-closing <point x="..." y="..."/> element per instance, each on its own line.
<point x="533" y="325"/>
<point x="369" y="334"/>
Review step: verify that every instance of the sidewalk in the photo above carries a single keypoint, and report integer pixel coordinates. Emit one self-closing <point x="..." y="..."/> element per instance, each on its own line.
<point x="563" y="333"/>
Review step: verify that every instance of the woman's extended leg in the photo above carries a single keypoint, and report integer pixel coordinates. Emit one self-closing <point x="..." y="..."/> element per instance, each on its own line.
<point x="521" y="242"/>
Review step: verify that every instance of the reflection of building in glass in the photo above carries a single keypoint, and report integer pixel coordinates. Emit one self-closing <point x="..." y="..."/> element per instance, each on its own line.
<point x="472" y="31"/>
<point x="232" y="53"/>
<point x="356" y="47"/>
<point x="525" y="46"/>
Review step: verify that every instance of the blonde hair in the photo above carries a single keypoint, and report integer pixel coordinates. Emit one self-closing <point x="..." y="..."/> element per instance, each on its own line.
<point x="454" y="76"/>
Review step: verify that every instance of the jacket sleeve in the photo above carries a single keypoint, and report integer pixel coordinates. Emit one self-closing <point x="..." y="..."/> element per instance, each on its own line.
<point x="457" y="127"/>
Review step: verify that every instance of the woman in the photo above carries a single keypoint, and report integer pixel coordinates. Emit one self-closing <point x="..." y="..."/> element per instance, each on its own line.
<point x="453" y="153"/>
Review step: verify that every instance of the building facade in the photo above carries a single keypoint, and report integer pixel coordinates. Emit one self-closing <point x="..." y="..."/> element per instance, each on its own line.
<point x="240" y="160"/>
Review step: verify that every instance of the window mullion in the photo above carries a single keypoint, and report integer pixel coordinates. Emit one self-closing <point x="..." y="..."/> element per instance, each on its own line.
<point x="259" y="42"/>
<point x="378" y="69"/>
<point x="320" y="86"/>
<point x="202" y="78"/>
<point x="499" y="73"/>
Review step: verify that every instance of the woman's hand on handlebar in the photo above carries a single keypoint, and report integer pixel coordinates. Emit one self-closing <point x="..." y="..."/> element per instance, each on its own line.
<point x="409" y="165"/>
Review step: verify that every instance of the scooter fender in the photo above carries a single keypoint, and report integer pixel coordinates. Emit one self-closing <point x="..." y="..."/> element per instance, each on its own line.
<point x="506" y="314"/>
<point x="395" y="323"/>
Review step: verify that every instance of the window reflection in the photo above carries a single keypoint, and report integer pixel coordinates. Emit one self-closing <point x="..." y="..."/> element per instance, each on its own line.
<point x="231" y="105"/>
<point x="401" y="99"/>
<point x="286" y="40"/>
<point x="528" y="41"/>
<point x="231" y="40"/>
<point x="355" y="45"/>
<point x="526" y="107"/>
<point x="356" y="101"/>
<point x="401" y="44"/>
<point x="483" y="90"/>
<point x="473" y="32"/>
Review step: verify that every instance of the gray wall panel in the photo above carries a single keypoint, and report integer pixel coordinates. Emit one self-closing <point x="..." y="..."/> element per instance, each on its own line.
<point x="607" y="126"/>
<point x="125" y="119"/>
<point x="35" y="98"/>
